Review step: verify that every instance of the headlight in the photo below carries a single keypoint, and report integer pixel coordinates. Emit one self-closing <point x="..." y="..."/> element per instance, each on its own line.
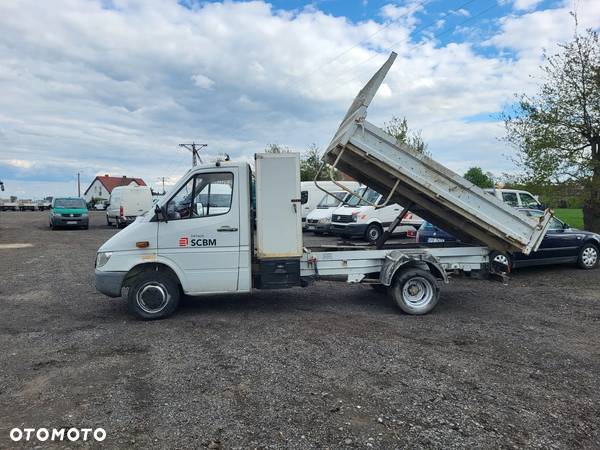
<point x="354" y="217"/>
<point x="102" y="258"/>
<point x="85" y="214"/>
<point x="324" y="220"/>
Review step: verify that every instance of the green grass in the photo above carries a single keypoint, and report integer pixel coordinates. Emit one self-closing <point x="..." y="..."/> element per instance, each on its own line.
<point x="573" y="217"/>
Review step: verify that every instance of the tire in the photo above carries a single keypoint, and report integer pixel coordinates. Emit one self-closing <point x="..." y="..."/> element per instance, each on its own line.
<point x="374" y="232"/>
<point x="588" y="256"/>
<point x="108" y="222"/>
<point x="153" y="295"/>
<point x="415" y="291"/>
<point x="502" y="261"/>
<point x="86" y="227"/>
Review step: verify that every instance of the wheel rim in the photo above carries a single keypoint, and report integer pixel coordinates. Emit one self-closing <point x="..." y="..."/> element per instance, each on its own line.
<point x="374" y="234"/>
<point x="589" y="256"/>
<point x="152" y="297"/>
<point x="417" y="292"/>
<point x="502" y="259"/>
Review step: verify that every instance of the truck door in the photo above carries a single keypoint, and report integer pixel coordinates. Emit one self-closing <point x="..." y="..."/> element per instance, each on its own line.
<point x="202" y="234"/>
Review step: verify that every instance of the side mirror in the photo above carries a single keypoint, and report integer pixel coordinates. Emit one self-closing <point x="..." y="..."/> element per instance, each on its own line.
<point x="160" y="212"/>
<point x="304" y="197"/>
<point x="200" y="209"/>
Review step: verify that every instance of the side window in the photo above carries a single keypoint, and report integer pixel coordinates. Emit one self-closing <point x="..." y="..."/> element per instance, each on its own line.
<point x="555" y="224"/>
<point x="202" y="196"/>
<point x="510" y="198"/>
<point x="527" y="200"/>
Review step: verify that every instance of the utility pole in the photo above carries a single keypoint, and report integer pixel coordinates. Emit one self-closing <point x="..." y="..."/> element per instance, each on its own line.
<point x="78" y="185"/>
<point x="195" y="149"/>
<point x="163" y="183"/>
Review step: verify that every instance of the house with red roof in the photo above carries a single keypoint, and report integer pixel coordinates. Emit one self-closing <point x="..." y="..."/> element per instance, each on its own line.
<point x="102" y="186"/>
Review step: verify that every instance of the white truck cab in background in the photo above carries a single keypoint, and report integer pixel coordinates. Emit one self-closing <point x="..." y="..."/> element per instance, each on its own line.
<point x="319" y="219"/>
<point x="126" y="203"/>
<point x="359" y="219"/>
<point x="517" y="198"/>
<point x="308" y="188"/>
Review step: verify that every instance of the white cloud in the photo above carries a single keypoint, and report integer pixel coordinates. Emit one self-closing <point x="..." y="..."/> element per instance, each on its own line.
<point x="526" y="4"/>
<point x="94" y="90"/>
<point x="203" y="81"/>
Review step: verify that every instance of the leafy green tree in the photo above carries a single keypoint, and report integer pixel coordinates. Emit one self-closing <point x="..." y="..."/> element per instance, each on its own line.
<point x="557" y="131"/>
<point x="276" y="148"/>
<point x="310" y="164"/>
<point x="404" y="135"/>
<point x="476" y="176"/>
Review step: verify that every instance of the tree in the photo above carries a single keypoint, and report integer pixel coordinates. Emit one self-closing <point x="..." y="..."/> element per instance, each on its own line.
<point x="310" y="164"/>
<point x="276" y="148"/>
<point x="476" y="176"/>
<point x="557" y="131"/>
<point x="404" y="136"/>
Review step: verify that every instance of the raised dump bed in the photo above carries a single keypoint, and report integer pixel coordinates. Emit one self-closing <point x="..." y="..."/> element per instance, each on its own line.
<point x="372" y="157"/>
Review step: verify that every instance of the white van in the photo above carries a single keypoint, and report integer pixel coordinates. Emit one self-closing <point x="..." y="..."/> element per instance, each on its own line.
<point x="319" y="219"/>
<point x="517" y="198"/>
<point x="126" y="203"/>
<point x="315" y="194"/>
<point x="359" y="219"/>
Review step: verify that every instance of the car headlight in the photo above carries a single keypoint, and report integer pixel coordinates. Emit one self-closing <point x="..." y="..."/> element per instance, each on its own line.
<point x="102" y="258"/>
<point x="324" y="220"/>
<point x="84" y="214"/>
<point x="354" y="217"/>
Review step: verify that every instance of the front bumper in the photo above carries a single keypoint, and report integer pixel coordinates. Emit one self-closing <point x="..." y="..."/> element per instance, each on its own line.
<point x="348" y="229"/>
<point x="110" y="283"/>
<point x="59" y="221"/>
<point x="319" y="227"/>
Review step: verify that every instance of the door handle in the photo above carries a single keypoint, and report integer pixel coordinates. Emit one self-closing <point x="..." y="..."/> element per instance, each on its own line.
<point x="227" y="228"/>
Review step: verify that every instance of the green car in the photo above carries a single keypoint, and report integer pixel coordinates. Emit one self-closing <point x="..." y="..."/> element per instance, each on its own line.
<point x="69" y="212"/>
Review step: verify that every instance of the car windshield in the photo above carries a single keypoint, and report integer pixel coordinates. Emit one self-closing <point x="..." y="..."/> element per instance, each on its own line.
<point x="69" y="203"/>
<point x="369" y="194"/>
<point x="331" y="202"/>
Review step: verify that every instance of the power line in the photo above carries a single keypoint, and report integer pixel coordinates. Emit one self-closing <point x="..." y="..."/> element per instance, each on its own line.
<point x="368" y="38"/>
<point x="435" y="36"/>
<point x="195" y="149"/>
<point x="418" y="30"/>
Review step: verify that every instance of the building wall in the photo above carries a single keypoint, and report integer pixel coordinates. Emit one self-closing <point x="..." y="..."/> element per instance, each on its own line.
<point x="97" y="190"/>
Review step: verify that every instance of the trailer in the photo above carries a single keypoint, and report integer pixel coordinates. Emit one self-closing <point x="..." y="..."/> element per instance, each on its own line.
<point x="9" y="206"/>
<point x="223" y="229"/>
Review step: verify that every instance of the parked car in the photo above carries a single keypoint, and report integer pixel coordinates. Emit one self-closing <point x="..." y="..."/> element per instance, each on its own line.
<point x="314" y="195"/>
<point x="359" y="219"/>
<point x="561" y="245"/>
<point x="319" y="219"/>
<point x="69" y="212"/>
<point x="517" y="198"/>
<point x="100" y="206"/>
<point x="126" y="203"/>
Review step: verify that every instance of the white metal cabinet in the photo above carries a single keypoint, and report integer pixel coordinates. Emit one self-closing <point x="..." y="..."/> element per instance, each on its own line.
<point x="278" y="208"/>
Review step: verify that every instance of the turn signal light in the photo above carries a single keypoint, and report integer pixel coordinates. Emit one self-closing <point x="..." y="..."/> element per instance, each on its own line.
<point x="142" y="244"/>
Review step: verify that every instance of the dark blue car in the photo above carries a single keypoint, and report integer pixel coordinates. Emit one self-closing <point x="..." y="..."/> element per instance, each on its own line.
<point x="562" y="244"/>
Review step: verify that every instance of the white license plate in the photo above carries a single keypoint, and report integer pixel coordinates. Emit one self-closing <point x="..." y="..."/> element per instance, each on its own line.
<point x="436" y="240"/>
<point x="71" y="222"/>
<point x="310" y="227"/>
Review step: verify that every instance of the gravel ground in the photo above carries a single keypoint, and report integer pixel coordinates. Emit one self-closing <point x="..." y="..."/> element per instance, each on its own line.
<point x="330" y="366"/>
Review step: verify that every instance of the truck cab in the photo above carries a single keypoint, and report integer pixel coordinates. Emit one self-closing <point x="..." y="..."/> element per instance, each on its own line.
<point x="201" y="237"/>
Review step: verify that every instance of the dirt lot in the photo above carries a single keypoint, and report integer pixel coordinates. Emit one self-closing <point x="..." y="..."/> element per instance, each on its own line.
<point x="329" y="366"/>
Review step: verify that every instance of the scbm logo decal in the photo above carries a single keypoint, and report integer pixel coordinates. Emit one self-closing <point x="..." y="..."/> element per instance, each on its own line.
<point x="197" y="242"/>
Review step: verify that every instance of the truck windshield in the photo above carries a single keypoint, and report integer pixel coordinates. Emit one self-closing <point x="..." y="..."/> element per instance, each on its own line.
<point x="69" y="203"/>
<point x="369" y="194"/>
<point x="331" y="202"/>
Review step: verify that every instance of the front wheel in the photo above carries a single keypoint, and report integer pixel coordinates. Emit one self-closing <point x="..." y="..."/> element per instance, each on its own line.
<point x="415" y="291"/>
<point x="153" y="295"/>
<point x="588" y="257"/>
<point x="373" y="233"/>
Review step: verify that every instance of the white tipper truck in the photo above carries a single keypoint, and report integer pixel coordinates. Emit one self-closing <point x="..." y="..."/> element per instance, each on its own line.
<point x="223" y="229"/>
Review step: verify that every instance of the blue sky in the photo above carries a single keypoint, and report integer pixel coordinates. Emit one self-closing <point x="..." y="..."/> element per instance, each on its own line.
<point x="113" y="86"/>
